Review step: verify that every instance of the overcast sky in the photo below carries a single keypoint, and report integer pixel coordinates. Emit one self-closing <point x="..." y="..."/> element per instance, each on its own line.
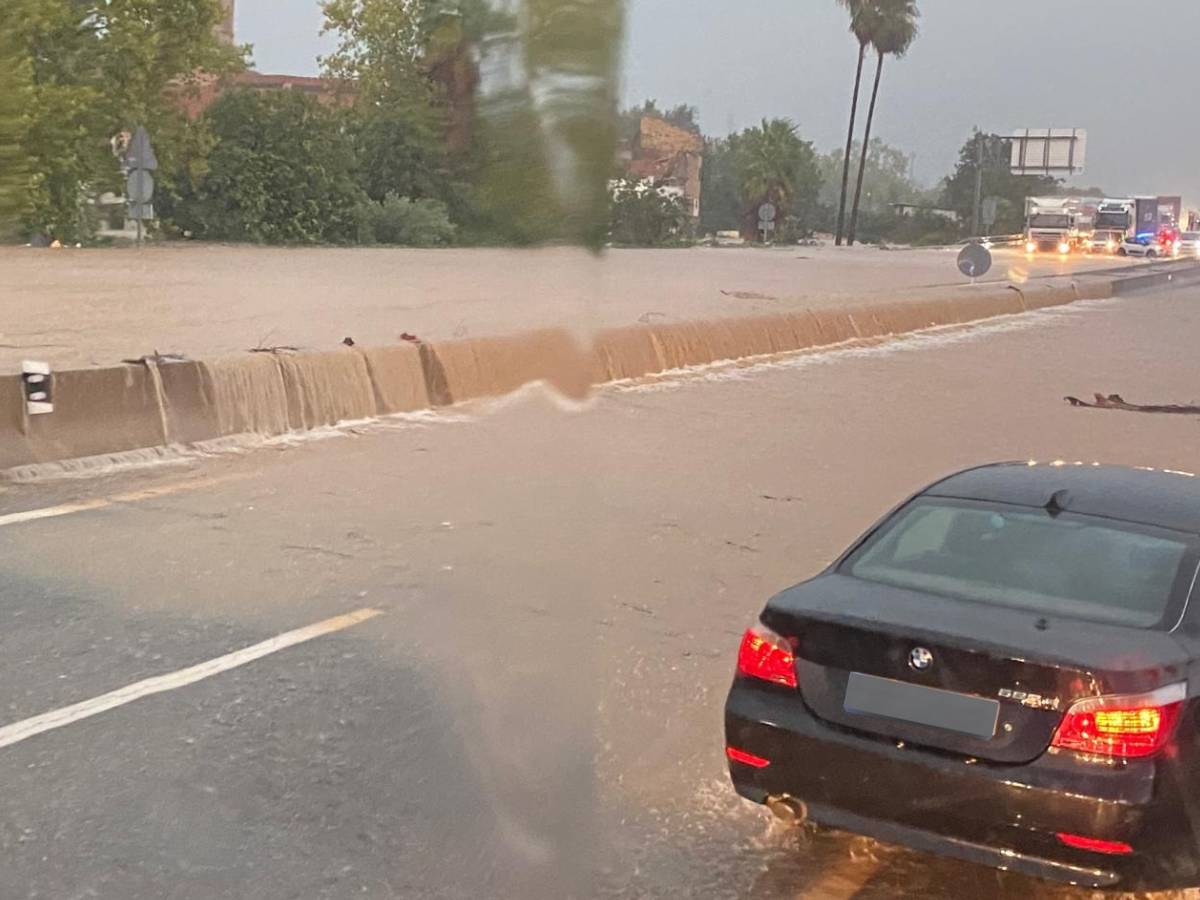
<point x="1128" y="72"/>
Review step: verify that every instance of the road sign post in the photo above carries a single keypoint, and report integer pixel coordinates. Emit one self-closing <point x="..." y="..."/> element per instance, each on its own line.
<point x="139" y="164"/>
<point x="979" y="139"/>
<point x="766" y="219"/>
<point x="974" y="260"/>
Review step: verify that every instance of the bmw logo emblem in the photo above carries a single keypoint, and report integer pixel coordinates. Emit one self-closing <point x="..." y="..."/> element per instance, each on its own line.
<point x="920" y="659"/>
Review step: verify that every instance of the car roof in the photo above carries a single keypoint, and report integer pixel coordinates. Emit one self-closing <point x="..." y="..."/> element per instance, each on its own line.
<point x="1162" y="497"/>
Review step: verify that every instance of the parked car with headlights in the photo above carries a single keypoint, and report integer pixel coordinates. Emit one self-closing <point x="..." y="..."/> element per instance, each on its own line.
<point x="1143" y="245"/>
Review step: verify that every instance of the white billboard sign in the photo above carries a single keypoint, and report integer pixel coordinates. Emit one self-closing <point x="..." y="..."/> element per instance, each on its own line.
<point x="1048" y="151"/>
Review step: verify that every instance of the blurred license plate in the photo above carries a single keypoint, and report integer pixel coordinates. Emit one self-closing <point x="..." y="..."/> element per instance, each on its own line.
<point x="868" y="695"/>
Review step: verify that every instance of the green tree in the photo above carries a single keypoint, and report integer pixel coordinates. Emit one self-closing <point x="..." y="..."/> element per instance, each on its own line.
<point x="99" y="67"/>
<point x="16" y="95"/>
<point x="408" y="61"/>
<point x="281" y="171"/>
<point x="721" y="206"/>
<point x="399" y="151"/>
<point x="1011" y="190"/>
<point x="773" y="164"/>
<point x="894" y="33"/>
<point x="380" y="44"/>
<point x="886" y="178"/>
<point x="64" y="136"/>
<point x="401" y="221"/>
<point x="645" y="215"/>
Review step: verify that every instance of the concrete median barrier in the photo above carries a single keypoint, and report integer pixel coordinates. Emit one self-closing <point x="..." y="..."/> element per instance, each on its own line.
<point x="96" y="412"/>
<point x="620" y="353"/>
<point x="187" y="401"/>
<point x="398" y="378"/>
<point x="248" y="395"/>
<point x="15" y="449"/>
<point x="1163" y="275"/>
<point x="135" y="407"/>
<point x="326" y="388"/>
<point x="494" y="366"/>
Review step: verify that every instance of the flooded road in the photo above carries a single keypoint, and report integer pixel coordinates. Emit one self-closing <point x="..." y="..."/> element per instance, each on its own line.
<point x="536" y="710"/>
<point x="81" y="308"/>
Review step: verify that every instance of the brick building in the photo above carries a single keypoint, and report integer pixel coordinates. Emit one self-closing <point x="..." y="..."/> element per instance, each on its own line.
<point x="201" y="91"/>
<point x="671" y="156"/>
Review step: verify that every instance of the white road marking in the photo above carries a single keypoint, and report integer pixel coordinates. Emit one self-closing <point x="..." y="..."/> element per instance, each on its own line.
<point x="67" y="509"/>
<point x="19" y="731"/>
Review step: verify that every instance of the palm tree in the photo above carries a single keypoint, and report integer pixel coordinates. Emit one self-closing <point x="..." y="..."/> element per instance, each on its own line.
<point x="767" y="160"/>
<point x="894" y="33"/>
<point x="864" y="19"/>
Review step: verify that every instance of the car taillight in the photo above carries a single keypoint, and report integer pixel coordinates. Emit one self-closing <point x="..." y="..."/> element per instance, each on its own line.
<point x="767" y="656"/>
<point x="1094" y="845"/>
<point x="1123" y="726"/>
<point x="746" y="758"/>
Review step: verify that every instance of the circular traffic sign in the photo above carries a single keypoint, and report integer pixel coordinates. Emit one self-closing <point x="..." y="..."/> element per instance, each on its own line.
<point x="767" y="212"/>
<point x="139" y="186"/>
<point x="974" y="260"/>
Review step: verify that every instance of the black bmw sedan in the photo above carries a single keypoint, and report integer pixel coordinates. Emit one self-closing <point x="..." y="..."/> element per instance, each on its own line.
<point x="1005" y="669"/>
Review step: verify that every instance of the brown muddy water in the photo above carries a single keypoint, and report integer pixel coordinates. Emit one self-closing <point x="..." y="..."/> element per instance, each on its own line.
<point x="79" y="308"/>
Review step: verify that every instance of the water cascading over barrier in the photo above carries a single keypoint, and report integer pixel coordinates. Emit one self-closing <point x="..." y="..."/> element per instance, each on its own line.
<point x="159" y="403"/>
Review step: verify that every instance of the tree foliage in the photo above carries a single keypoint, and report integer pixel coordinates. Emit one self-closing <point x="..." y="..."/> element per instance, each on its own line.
<point x="885" y="181"/>
<point x="523" y="93"/>
<point x="769" y="162"/>
<point x="379" y="47"/>
<point x="98" y="67"/>
<point x="774" y="164"/>
<point x="16" y="95"/>
<point x="721" y="206"/>
<point x="281" y="171"/>
<point x="401" y="221"/>
<point x="645" y="215"/>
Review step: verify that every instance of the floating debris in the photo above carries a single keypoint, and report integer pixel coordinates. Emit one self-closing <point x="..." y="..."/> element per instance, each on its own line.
<point x="1116" y="401"/>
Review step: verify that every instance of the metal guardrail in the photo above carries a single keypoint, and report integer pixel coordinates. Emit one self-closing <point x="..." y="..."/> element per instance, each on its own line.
<point x="995" y="239"/>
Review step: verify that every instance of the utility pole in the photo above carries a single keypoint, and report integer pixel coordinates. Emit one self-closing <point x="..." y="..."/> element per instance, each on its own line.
<point x="975" y="225"/>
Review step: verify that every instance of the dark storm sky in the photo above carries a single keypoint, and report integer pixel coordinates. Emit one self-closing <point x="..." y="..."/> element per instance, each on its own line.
<point x="1128" y="72"/>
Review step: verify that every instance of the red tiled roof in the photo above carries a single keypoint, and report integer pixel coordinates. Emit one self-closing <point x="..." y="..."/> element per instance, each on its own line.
<point x="199" y="93"/>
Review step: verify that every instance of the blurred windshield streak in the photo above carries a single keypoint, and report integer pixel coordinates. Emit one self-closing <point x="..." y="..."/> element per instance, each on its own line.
<point x="545" y="114"/>
<point x="548" y="105"/>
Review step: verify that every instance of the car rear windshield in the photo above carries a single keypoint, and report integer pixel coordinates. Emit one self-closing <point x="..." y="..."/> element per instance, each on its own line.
<point x="1067" y="565"/>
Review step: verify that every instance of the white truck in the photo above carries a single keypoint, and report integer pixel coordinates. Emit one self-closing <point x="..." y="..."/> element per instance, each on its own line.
<point x="1054" y="224"/>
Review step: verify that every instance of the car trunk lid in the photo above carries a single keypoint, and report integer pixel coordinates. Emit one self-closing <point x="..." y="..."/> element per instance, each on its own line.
<point x="997" y="680"/>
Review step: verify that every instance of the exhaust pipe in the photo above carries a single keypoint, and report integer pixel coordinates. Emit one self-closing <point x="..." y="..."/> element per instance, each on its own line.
<point x="788" y="810"/>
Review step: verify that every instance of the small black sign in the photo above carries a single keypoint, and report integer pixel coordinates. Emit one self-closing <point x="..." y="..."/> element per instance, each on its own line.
<point x="974" y="260"/>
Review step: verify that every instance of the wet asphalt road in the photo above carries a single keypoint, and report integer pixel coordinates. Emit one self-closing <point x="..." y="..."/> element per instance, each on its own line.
<point x="536" y="712"/>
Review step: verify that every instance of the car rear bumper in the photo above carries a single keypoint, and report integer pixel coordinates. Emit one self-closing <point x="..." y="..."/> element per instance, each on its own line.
<point x="1005" y="816"/>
